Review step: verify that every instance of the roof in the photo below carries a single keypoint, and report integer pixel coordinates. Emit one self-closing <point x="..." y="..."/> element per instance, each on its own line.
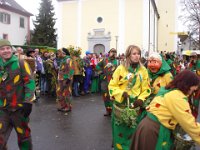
<point x="13" y="6"/>
<point x="182" y="37"/>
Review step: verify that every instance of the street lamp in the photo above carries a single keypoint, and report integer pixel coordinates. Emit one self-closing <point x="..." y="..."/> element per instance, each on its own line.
<point x="116" y="40"/>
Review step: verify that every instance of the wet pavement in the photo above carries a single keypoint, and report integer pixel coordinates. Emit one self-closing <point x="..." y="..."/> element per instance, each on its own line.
<point x="85" y="128"/>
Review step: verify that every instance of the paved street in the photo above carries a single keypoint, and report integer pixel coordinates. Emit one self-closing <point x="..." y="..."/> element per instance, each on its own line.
<point x="85" y="128"/>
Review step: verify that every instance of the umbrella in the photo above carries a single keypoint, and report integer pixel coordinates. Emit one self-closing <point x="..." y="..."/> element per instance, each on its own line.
<point x="187" y="52"/>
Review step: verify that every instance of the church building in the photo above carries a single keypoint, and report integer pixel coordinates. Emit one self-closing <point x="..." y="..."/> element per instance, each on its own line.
<point x="98" y="25"/>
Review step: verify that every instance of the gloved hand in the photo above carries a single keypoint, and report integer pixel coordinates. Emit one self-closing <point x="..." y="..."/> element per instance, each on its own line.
<point x="138" y="103"/>
<point x="125" y="95"/>
<point x="26" y="109"/>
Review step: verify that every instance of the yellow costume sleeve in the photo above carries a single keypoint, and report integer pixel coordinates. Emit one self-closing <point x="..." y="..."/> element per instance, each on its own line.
<point x="145" y="85"/>
<point x="180" y="109"/>
<point x="114" y="89"/>
<point x="162" y="81"/>
<point x="119" y="83"/>
<point x="168" y="77"/>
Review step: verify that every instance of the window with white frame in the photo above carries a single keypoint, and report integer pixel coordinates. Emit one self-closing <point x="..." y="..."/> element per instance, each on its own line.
<point x="21" y="22"/>
<point x="4" y="17"/>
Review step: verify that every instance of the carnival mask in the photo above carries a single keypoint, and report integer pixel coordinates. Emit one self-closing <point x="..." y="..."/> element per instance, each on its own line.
<point x="154" y="65"/>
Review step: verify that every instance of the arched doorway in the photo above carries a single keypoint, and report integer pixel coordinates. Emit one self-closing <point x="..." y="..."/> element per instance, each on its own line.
<point x="99" y="48"/>
<point x="99" y="42"/>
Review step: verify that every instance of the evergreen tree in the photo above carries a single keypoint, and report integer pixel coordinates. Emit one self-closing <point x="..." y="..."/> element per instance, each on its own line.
<point x="44" y="33"/>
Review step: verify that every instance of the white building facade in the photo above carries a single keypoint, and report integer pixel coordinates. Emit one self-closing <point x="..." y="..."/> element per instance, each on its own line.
<point x="98" y="25"/>
<point x="14" y="22"/>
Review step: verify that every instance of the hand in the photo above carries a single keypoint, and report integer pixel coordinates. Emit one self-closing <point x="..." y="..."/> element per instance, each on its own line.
<point x="138" y="103"/>
<point x="125" y="95"/>
<point x="67" y="81"/>
<point x="26" y="109"/>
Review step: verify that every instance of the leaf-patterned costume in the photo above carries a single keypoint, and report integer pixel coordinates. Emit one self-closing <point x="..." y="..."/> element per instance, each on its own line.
<point x="169" y="107"/>
<point x="78" y="74"/>
<point x="17" y="87"/>
<point x="140" y="89"/>
<point x="160" y="78"/>
<point x="107" y="66"/>
<point x="51" y="73"/>
<point x="65" y="77"/>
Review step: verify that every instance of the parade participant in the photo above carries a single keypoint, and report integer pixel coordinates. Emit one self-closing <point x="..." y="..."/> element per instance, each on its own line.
<point x="107" y="66"/>
<point x="39" y="69"/>
<point x="160" y="76"/>
<point x="95" y="75"/>
<point x="31" y="60"/>
<point x="169" y="108"/>
<point x="78" y="70"/>
<point x="17" y="88"/>
<point x="159" y="72"/>
<point x="88" y="72"/>
<point x="194" y="66"/>
<point x="65" y="78"/>
<point x="51" y="73"/>
<point x="19" y="53"/>
<point x="44" y="82"/>
<point x="130" y="82"/>
<point x="170" y="62"/>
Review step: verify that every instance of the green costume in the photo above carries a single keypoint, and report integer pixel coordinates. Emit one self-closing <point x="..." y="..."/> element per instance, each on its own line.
<point x="136" y="84"/>
<point x="17" y="89"/>
<point x="107" y="66"/>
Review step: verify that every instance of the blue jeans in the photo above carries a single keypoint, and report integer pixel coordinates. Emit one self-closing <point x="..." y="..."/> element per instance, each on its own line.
<point x="44" y="86"/>
<point x="87" y="79"/>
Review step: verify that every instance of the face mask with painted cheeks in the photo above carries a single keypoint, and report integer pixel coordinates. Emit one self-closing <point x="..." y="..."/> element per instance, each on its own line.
<point x="154" y="65"/>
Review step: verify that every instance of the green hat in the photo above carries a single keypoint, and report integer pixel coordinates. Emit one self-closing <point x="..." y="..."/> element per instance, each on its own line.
<point x="4" y="42"/>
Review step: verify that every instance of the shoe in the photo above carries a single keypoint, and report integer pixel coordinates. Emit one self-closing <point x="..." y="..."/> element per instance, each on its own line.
<point x="63" y="109"/>
<point x="35" y="100"/>
<point x="59" y="109"/>
<point x="107" y="114"/>
<point x="87" y="92"/>
<point x="82" y="93"/>
<point x="66" y="110"/>
<point x="77" y="95"/>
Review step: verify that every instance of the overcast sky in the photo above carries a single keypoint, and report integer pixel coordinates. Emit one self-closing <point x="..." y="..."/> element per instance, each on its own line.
<point x="32" y="6"/>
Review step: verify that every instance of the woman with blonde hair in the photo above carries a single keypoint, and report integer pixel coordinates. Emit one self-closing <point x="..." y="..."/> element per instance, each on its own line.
<point x="130" y="82"/>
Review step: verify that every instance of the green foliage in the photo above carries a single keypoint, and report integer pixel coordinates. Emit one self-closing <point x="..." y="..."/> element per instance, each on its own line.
<point x="74" y="51"/>
<point x="44" y="32"/>
<point x="128" y="116"/>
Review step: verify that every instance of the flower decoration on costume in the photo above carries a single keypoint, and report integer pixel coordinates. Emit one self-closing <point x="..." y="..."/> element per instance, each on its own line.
<point x="74" y="51"/>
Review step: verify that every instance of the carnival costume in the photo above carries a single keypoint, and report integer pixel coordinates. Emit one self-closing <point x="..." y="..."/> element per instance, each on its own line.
<point x="88" y="74"/>
<point x="17" y="89"/>
<point x="107" y="66"/>
<point x="65" y="77"/>
<point x="161" y="78"/>
<point x="136" y="83"/>
<point x="194" y="99"/>
<point x="168" y="108"/>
